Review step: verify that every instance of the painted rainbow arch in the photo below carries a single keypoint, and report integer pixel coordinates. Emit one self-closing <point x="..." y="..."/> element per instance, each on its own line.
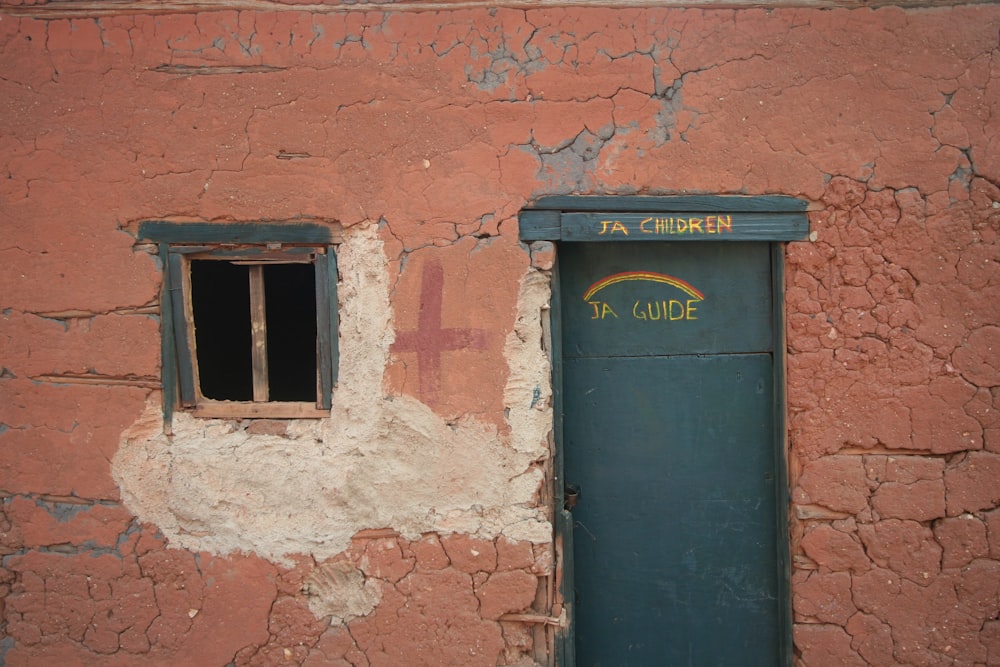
<point x="647" y="276"/>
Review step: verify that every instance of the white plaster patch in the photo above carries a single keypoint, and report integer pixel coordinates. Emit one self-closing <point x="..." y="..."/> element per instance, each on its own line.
<point x="339" y="590"/>
<point x="377" y="462"/>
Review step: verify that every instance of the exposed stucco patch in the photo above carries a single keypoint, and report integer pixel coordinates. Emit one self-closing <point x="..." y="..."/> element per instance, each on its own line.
<point x="377" y="462"/>
<point x="339" y="590"/>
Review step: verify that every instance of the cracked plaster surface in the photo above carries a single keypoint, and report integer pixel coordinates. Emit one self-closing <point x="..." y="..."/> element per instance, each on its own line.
<point x="886" y="120"/>
<point x="892" y="310"/>
<point x="619" y="103"/>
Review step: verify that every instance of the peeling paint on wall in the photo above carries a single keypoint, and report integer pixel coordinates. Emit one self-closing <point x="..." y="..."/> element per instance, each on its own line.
<point x="340" y="592"/>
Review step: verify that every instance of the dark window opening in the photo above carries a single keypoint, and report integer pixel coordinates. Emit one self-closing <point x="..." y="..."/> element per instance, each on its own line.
<point x="220" y="301"/>
<point x="243" y="346"/>
<point x="290" y="295"/>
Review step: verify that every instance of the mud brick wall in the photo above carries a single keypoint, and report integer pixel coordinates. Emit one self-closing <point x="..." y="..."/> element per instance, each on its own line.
<point x="413" y="525"/>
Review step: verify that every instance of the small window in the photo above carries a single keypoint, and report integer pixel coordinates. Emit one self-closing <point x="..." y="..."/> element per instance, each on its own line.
<point x="249" y="329"/>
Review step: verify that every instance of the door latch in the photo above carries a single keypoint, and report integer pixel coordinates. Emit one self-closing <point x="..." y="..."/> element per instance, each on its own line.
<point x="571" y="494"/>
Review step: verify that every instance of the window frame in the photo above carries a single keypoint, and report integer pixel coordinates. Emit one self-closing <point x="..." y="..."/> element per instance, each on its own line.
<point x="178" y="244"/>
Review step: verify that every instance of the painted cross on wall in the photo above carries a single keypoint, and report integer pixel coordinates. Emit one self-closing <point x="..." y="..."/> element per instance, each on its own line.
<point x="430" y="340"/>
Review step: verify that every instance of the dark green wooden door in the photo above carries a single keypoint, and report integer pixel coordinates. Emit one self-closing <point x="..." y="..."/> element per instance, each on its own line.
<point x="669" y="436"/>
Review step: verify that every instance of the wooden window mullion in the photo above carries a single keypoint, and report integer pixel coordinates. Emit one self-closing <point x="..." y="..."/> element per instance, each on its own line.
<point x="258" y="327"/>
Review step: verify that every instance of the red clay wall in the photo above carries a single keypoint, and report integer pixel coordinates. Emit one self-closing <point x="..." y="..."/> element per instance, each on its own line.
<point x="433" y="130"/>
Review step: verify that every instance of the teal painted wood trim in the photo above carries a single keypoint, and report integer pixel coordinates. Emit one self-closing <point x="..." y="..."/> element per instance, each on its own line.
<point x="242" y="232"/>
<point x="168" y="349"/>
<point x="333" y="320"/>
<point x="566" y="636"/>
<point x="565" y="644"/>
<point x="684" y="226"/>
<point x="327" y="325"/>
<point x="681" y="218"/>
<point x="538" y="225"/>
<point x="225" y="252"/>
<point x="700" y="203"/>
<point x="323" y="342"/>
<point x="556" y="360"/>
<point x="781" y="481"/>
<point x="185" y="362"/>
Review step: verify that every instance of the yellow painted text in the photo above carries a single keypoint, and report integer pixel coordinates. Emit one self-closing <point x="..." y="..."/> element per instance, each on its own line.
<point x="671" y="310"/>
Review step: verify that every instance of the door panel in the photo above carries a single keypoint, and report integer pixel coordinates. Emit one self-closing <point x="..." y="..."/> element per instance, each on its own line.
<point x="668" y="433"/>
<point x="674" y="535"/>
<point x="629" y="299"/>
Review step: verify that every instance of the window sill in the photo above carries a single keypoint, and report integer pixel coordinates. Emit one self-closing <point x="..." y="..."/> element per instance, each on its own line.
<point x="274" y="409"/>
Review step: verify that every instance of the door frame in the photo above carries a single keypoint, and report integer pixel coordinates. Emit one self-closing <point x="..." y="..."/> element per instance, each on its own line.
<point x="570" y="218"/>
